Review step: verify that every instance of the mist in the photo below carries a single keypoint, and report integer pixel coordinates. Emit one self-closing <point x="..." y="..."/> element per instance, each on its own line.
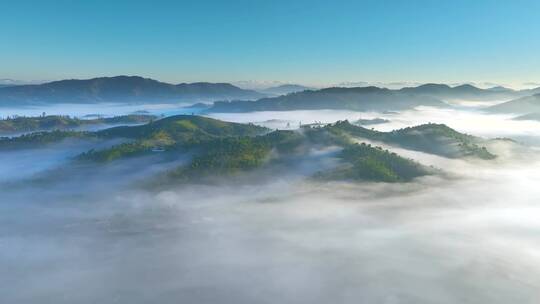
<point x="106" y="109"/>
<point x="94" y="234"/>
<point x="473" y="122"/>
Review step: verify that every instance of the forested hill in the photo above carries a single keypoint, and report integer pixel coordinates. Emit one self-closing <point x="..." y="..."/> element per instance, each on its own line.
<point x="163" y="132"/>
<point x="58" y="122"/>
<point x="431" y="138"/>
<point x="222" y="148"/>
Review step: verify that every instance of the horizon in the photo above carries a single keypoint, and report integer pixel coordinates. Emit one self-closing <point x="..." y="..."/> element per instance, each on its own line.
<point x="252" y="85"/>
<point x="309" y="43"/>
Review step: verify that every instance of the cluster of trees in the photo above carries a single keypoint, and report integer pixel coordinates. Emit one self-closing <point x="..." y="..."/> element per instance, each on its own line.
<point x="225" y="156"/>
<point x="63" y="122"/>
<point x="37" y="139"/>
<point x="374" y="163"/>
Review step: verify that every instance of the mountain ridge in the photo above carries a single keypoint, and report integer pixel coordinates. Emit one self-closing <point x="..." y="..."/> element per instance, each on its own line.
<point x="120" y="89"/>
<point x="284" y="89"/>
<point x="339" y="98"/>
<point x="522" y="106"/>
<point x="368" y="98"/>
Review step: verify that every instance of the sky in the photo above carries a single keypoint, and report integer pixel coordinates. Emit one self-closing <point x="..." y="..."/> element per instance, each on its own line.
<point x="308" y="42"/>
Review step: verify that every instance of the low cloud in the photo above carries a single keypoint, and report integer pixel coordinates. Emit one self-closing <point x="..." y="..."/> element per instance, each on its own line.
<point x="467" y="236"/>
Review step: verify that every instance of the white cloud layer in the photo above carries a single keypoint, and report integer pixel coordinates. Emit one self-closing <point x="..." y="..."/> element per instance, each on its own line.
<point x="470" y="236"/>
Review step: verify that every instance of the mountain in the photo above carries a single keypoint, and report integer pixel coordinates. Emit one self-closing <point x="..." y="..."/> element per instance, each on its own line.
<point x="121" y="89"/>
<point x="218" y="148"/>
<point x="171" y="133"/>
<point x="284" y="89"/>
<point x="42" y="139"/>
<point x="358" y="99"/>
<point x="462" y="92"/>
<point x="369" y="98"/>
<point x="184" y="128"/>
<point x="365" y="162"/>
<point x="357" y="162"/>
<point x="532" y="116"/>
<point x="221" y="148"/>
<point x="524" y="105"/>
<point x="181" y="131"/>
<point x="162" y="133"/>
<point x="500" y="89"/>
<point x="430" y="138"/>
<point x="530" y="92"/>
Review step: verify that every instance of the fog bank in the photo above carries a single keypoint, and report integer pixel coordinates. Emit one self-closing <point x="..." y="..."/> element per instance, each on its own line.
<point x="471" y="238"/>
<point x="75" y="233"/>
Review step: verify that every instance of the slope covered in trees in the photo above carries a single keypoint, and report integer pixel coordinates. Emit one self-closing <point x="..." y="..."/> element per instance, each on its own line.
<point x="431" y="138"/>
<point x="219" y="148"/>
<point x="58" y="122"/>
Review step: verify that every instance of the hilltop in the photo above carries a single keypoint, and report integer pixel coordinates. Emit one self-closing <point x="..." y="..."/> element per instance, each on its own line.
<point x="284" y="89"/>
<point x="437" y="139"/>
<point x="170" y="133"/>
<point x="463" y="92"/>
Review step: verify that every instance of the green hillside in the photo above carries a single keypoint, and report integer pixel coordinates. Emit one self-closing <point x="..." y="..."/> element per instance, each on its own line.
<point x="357" y="162"/>
<point x="221" y="148"/>
<point x="40" y="139"/>
<point x="58" y="122"/>
<point x="364" y="162"/>
<point x="175" y="132"/>
<point x="431" y="138"/>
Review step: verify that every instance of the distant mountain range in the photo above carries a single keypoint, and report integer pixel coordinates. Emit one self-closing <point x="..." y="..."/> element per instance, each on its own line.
<point x="229" y="98"/>
<point x="131" y="89"/>
<point x="530" y="92"/>
<point x="370" y="98"/>
<point x="463" y="92"/>
<point x="524" y="105"/>
<point x="357" y="99"/>
<point x="284" y="89"/>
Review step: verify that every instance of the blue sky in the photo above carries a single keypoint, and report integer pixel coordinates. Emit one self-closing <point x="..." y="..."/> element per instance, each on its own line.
<point x="310" y="42"/>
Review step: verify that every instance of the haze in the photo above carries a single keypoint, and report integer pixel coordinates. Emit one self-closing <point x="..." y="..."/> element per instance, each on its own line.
<point x="469" y="236"/>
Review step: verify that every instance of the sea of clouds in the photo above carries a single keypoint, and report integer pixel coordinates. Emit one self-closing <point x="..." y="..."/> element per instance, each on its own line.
<point x="94" y="235"/>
